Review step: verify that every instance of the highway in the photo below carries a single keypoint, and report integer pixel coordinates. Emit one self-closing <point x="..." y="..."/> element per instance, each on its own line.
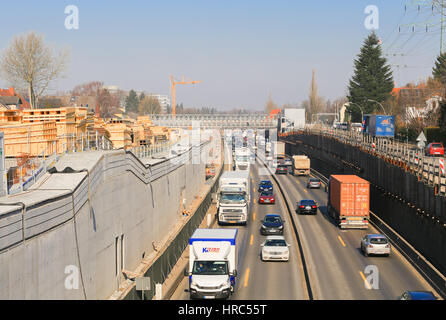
<point x="336" y="266"/>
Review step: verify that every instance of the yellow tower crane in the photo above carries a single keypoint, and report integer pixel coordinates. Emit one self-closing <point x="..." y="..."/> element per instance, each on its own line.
<point x="173" y="83"/>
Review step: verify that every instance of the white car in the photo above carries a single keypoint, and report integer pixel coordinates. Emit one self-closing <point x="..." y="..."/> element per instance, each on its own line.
<point x="275" y="248"/>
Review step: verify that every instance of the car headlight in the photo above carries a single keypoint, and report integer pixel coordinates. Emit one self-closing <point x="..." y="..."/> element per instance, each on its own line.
<point x="193" y="284"/>
<point x="263" y="227"/>
<point x="280" y="227"/>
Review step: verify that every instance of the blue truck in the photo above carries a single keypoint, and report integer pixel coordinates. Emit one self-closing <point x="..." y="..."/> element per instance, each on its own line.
<point x="379" y="125"/>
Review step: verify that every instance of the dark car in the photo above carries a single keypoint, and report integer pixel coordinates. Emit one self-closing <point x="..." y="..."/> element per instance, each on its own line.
<point x="306" y="206"/>
<point x="417" y="295"/>
<point x="265" y="185"/>
<point x="313" y="183"/>
<point x="282" y="169"/>
<point x="267" y="197"/>
<point x="271" y="224"/>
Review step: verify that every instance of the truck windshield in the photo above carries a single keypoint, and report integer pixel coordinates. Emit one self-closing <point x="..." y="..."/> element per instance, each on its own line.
<point x="232" y="198"/>
<point x="241" y="158"/>
<point x="210" y="267"/>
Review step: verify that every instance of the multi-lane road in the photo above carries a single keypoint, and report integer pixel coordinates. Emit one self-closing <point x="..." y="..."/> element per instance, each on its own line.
<point x="336" y="267"/>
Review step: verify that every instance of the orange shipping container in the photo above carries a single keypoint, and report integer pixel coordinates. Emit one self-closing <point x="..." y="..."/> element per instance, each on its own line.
<point x="350" y="195"/>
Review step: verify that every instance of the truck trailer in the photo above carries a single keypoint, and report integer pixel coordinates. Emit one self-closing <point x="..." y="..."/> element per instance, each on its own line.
<point x="301" y="165"/>
<point x="212" y="268"/>
<point x="233" y="196"/>
<point x="349" y="201"/>
<point x="379" y="125"/>
<point x="278" y="150"/>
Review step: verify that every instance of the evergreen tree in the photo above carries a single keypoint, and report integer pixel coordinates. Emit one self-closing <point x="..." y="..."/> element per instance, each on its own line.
<point x="131" y="102"/>
<point x="442" y="119"/>
<point x="372" y="79"/>
<point x="439" y="70"/>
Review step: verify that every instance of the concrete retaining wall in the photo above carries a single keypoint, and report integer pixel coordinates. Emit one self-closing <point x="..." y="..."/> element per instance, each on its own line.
<point x="83" y="228"/>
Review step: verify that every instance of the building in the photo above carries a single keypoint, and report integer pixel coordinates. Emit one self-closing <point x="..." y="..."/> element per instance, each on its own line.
<point x="291" y="119"/>
<point x="12" y="100"/>
<point x="163" y="99"/>
<point x="418" y="101"/>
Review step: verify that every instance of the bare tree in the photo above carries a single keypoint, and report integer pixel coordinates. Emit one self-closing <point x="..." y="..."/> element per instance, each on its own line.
<point x="270" y="105"/>
<point x="149" y="105"/>
<point x="87" y="89"/>
<point x="29" y="63"/>
<point x="108" y="104"/>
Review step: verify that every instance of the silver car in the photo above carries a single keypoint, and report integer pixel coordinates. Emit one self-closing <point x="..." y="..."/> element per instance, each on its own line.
<point x="275" y="248"/>
<point x="313" y="183"/>
<point x="375" y="244"/>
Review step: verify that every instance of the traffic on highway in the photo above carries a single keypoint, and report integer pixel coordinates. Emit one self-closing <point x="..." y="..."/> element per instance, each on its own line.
<point x="300" y="238"/>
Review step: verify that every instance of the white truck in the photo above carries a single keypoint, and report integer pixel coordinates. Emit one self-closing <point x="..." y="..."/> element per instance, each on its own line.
<point x="233" y="197"/>
<point x="212" y="263"/>
<point x="242" y="158"/>
<point x="279" y="150"/>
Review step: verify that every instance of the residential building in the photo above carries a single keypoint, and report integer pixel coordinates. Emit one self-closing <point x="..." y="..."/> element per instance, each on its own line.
<point x="12" y="100"/>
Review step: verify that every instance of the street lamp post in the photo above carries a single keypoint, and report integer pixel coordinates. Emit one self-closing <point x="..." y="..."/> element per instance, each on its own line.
<point x="384" y="110"/>
<point x="362" y="112"/>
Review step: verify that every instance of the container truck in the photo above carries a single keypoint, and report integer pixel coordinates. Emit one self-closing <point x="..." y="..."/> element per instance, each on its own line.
<point x="212" y="268"/>
<point x="349" y="201"/>
<point x="301" y="165"/>
<point x="379" y="125"/>
<point x="233" y="196"/>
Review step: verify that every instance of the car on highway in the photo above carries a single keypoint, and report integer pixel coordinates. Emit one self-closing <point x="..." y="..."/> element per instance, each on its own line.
<point x="313" y="183"/>
<point x="271" y="224"/>
<point x="275" y="248"/>
<point x="306" y="206"/>
<point x="281" y="169"/>
<point x="417" y="295"/>
<point x="288" y="162"/>
<point x="434" y="149"/>
<point x="267" y="197"/>
<point x="265" y="185"/>
<point x="375" y="244"/>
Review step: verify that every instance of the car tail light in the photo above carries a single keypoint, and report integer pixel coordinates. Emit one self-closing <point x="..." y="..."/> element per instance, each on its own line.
<point x="370" y="246"/>
<point x="302" y="207"/>
<point x="387" y="246"/>
<point x="314" y="207"/>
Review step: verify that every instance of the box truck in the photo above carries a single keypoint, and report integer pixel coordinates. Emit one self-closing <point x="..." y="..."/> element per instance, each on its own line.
<point x="278" y="150"/>
<point x="242" y="158"/>
<point x="349" y="201"/>
<point x="233" y="196"/>
<point x="301" y="165"/>
<point x="212" y="268"/>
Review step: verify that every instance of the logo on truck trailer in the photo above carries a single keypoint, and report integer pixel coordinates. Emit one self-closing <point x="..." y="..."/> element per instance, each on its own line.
<point x="211" y="250"/>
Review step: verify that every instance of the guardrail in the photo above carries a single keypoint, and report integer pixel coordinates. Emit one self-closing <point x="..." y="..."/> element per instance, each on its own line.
<point x="430" y="170"/>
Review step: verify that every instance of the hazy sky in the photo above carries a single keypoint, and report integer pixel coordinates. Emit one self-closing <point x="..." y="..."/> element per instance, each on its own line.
<point x="241" y="50"/>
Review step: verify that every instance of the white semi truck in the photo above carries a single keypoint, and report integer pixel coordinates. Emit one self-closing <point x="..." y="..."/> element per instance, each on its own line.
<point x="212" y="266"/>
<point x="233" y="197"/>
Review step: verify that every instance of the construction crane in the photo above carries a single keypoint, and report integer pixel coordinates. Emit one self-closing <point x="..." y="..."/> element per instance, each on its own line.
<point x="173" y="83"/>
